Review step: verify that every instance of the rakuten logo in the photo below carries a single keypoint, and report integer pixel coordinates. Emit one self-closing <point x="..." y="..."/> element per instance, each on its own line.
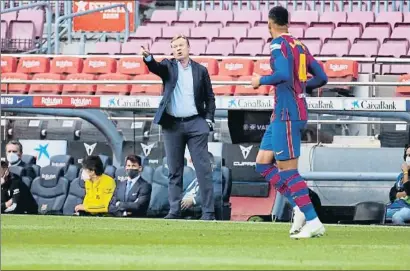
<point x="55" y="164"/>
<point x="264" y="66"/>
<point x="47" y="101"/>
<point x="338" y="68"/>
<point x="80" y="102"/>
<point x="130" y="65"/>
<point x="64" y="63"/>
<point x="233" y="66"/>
<point x="30" y="63"/>
<point x="97" y="64"/>
<point x="48" y="177"/>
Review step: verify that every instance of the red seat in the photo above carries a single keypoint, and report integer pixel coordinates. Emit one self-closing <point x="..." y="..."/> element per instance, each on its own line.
<point x="113" y="89"/>
<point x="132" y="66"/>
<point x="211" y="64"/>
<point x="405" y="90"/>
<point x="236" y="67"/>
<point x="262" y="67"/>
<point x="248" y="90"/>
<point x="98" y="65"/>
<point x="339" y="70"/>
<point x="222" y="90"/>
<point x="46" y="88"/>
<point x="15" y="88"/>
<point x="141" y="89"/>
<point x="66" y="65"/>
<point x="33" y="64"/>
<point x="8" y="64"/>
<point x="75" y="89"/>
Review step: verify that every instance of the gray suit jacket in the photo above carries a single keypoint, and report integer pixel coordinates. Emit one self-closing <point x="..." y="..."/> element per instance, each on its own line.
<point x="167" y="69"/>
<point x="137" y="200"/>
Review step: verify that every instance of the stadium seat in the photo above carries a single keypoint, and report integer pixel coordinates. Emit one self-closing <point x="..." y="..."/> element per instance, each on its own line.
<point x="9" y="16"/>
<point x="198" y="46"/>
<point x="21" y="172"/>
<point x="159" y="204"/>
<point x="113" y="89"/>
<point x="262" y="67"/>
<point x="98" y="65"/>
<point x="192" y="16"/>
<point x="297" y="32"/>
<point x="106" y="160"/>
<point x="211" y="64"/>
<point x="66" y="65"/>
<point x="404" y="90"/>
<point x="400" y="69"/>
<point x="222" y="16"/>
<point x="258" y="32"/>
<point x="15" y="88"/>
<point x="322" y="32"/>
<point x="22" y="34"/>
<point x="28" y="159"/>
<point x="378" y="31"/>
<point x="33" y="64"/>
<point x="161" y="47"/>
<point x="314" y="45"/>
<point x="335" y="17"/>
<point x="391" y="17"/>
<point x="305" y="16"/>
<point x="50" y="190"/>
<point x="8" y="64"/>
<point x="205" y="31"/>
<point x="75" y="89"/>
<point x="364" y="47"/>
<point x="62" y="161"/>
<point x="335" y="47"/>
<point x="341" y="70"/>
<point x="236" y="67"/>
<point x="120" y="175"/>
<point x="227" y="90"/>
<point x="249" y="46"/>
<point x="75" y="196"/>
<point x="37" y="17"/>
<point x="351" y="32"/>
<point x="172" y="31"/>
<point x="103" y="48"/>
<point x="236" y="32"/>
<point x="401" y="32"/>
<point x="250" y="16"/>
<point x="394" y="47"/>
<point x="220" y="47"/>
<point x="46" y="88"/>
<point x="133" y="47"/>
<point x="248" y="90"/>
<point x="132" y="66"/>
<point x="147" y="174"/>
<point x="362" y="17"/>
<point x="146" y="31"/>
<point x="142" y="89"/>
<point x="167" y="16"/>
<point x="110" y="170"/>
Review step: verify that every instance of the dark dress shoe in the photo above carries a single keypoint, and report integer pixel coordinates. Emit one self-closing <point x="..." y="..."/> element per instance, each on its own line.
<point x="207" y="217"/>
<point x="172" y="216"/>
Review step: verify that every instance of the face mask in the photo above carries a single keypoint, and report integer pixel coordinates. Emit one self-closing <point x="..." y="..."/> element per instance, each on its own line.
<point x="85" y="176"/>
<point x="12" y="158"/>
<point x="408" y="160"/>
<point x="132" y="173"/>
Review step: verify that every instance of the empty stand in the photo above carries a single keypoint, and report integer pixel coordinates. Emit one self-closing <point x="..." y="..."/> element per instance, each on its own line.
<point x="66" y="65"/>
<point x="46" y="88"/>
<point x="79" y="88"/>
<point x="103" y="48"/>
<point x="113" y="89"/>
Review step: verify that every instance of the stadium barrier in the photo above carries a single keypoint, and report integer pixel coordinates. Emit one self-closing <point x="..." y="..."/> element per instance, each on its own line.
<point x="222" y="102"/>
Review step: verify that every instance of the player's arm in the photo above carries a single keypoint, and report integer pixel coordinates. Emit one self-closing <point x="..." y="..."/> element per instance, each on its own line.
<point x="319" y="78"/>
<point x="281" y="72"/>
<point x="101" y="205"/>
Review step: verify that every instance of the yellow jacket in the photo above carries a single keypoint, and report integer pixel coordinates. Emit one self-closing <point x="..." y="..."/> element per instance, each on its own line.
<point x="98" y="194"/>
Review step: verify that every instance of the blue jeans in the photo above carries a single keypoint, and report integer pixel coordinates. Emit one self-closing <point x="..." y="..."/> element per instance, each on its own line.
<point x="398" y="216"/>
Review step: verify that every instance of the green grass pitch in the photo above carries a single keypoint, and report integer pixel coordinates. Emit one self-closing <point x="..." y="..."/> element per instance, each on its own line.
<point x="79" y="243"/>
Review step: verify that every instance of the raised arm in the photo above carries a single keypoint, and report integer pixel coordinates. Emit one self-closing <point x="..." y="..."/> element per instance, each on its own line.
<point x="158" y="68"/>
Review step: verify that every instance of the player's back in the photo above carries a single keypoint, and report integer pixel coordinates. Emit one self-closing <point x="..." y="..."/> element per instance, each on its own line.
<point x="290" y="101"/>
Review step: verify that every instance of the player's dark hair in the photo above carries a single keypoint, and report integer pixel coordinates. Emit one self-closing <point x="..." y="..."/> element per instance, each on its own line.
<point x="279" y="15"/>
<point x="94" y="163"/>
<point x="134" y="159"/>
<point x="16" y="143"/>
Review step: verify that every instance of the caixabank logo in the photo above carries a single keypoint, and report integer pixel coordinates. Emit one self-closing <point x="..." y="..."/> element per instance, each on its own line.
<point x="250" y="103"/>
<point x="375" y="105"/>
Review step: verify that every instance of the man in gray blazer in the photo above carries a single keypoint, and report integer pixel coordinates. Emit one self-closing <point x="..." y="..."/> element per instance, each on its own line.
<point x="186" y="114"/>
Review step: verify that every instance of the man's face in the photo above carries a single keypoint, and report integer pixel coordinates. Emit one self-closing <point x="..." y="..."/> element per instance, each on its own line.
<point x="131" y="165"/>
<point x="11" y="148"/>
<point x="180" y="49"/>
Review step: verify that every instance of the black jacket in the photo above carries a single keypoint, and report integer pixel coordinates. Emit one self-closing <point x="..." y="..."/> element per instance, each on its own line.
<point x="204" y="95"/>
<point x="137" y="200"/>
<point x="15" y="189"/>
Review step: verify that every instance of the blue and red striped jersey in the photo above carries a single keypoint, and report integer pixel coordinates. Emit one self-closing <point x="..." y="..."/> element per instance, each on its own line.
<point x="291" y="62"/>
